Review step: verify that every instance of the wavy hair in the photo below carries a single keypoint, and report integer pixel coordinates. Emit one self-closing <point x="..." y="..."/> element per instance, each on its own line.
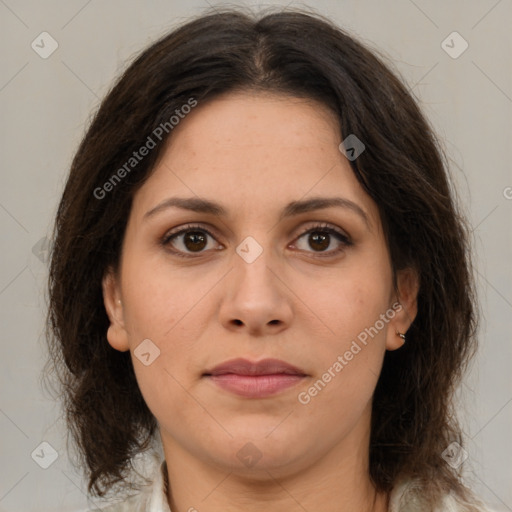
<point x="403" y="169"/>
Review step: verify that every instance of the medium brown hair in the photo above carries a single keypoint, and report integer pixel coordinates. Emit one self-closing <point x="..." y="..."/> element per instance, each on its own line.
<point x="402" y="169"/>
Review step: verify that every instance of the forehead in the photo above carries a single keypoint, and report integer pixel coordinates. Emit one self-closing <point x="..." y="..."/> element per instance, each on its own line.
<point x="253" y="151"/>
<point x="256" y="121"/>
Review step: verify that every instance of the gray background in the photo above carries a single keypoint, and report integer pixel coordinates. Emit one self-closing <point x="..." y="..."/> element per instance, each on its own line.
<point x="46" y="105"/>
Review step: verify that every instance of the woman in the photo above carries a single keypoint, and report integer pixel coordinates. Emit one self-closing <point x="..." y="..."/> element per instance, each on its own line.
<point x="260" y="271"/>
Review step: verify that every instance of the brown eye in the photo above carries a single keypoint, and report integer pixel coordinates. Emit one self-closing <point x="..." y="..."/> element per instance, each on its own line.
<point x="319" y="241"/>
<point x="189" y="240"/>
<point x="321" y="238"/>
<point x="194" y="240"/>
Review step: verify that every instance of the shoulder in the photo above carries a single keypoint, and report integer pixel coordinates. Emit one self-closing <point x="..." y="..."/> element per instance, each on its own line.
<point x="407" y="497"/>
<point x="151" y="498"/>
<point x="138" y="502"/>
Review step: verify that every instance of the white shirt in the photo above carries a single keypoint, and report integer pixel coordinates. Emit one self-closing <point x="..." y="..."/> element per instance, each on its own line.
<point x="153" y="498"/>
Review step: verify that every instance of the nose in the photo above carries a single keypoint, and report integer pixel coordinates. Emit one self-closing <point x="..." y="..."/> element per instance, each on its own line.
<point x="255" y="299"/>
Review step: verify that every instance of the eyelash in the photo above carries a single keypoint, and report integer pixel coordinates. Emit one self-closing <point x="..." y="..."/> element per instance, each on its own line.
<point x="321" y="228"/>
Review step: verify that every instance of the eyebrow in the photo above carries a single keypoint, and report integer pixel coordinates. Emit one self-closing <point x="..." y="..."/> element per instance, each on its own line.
<point x="201" y="205"/>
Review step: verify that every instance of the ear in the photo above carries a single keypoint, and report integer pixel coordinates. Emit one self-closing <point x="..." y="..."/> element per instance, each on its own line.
<point x="405" y="306"/>
<point x="116" y="333"/>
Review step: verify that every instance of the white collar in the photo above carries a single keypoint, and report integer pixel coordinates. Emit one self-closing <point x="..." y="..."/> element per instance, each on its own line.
<point x="153" y="498"/>
<point x="158" y="500"/>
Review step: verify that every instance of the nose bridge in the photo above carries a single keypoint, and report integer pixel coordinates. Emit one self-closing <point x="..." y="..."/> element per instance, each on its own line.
<point x="252" y="266"/>
<point x="255" y="297"/>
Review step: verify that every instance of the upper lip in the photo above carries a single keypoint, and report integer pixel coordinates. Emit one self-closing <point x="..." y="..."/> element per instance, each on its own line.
<point x="242" y="366"/>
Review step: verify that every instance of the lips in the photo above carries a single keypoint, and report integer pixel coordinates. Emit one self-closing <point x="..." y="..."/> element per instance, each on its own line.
<point x="263" y="367"/>
<point x="255" y="379"/>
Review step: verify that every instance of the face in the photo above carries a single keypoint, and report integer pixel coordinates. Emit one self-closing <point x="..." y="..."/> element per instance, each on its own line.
<point x="265" y="272"/>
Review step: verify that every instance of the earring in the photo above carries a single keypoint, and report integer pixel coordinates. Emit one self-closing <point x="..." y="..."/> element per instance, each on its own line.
<point x="401" y="335"/>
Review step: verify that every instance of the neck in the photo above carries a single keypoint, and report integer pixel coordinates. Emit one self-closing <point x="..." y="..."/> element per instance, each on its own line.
<point x="227" y="492"/>
<point x="337" y="481"/>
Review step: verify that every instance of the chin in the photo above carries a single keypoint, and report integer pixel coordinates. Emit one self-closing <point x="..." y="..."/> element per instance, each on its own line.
<point x="258" y="455"/>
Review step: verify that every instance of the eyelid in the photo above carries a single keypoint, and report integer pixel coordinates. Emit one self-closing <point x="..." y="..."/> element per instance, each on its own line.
<point x="343" y="237"/>
<point x="188" y="227"/>
<point x="325" y="226"/>
<point x="183" y="229"/>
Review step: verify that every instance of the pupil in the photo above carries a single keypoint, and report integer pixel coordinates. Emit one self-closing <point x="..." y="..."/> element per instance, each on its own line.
<point x="320" y="240"/>
<point x="195" y="240"/>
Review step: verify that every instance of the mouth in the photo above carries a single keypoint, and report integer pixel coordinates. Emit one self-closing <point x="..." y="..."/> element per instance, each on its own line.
<point x="255" y="379"/>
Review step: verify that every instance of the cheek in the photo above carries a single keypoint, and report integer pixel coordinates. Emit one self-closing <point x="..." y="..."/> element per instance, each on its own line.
<point x="160" y="299"/>
<point x="354" y="306"/>
<point x="347" y="367"/>
<point x="170" y="309"/>
<point x="348" y="300"/>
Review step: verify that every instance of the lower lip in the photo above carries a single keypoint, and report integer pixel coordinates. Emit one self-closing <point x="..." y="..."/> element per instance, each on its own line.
<point x="255" y="386"/>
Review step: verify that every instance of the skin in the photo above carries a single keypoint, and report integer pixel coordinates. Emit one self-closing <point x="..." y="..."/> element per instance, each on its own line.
<point x="254" y="153"/>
